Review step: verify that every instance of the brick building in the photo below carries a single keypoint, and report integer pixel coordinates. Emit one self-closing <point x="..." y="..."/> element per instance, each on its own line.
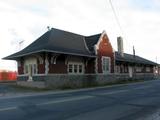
<point x="62" y="52"/>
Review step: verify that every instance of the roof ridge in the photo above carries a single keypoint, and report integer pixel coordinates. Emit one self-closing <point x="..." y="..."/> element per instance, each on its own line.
<point x="57" y="40"/>
<point x="67" y="31"/>
<point x="93" y="35"/>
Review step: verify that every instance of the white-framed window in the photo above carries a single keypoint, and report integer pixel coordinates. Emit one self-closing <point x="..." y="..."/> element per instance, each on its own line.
<point x="148" y="69"/>
<point x="75" y="68"/>
<point x="106" y="64"/>
<point x="30" y="65"/>
<point x="26" y="69"/>
<point x="34" y="67"/>
<point x="30" y="68"/>
<point x="70" y="68"/>
<point x="139" y="69"/>
<point x="80" y="68"/>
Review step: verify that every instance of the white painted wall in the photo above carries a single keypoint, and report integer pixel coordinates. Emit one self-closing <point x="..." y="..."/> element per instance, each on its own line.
<point x="30" y="61"/>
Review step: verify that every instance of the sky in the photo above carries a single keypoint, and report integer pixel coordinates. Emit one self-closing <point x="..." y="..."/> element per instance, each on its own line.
<point x="23" y="21"/>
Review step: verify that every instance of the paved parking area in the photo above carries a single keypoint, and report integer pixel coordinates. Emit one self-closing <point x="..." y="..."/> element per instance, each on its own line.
<point x="12" y="89"/>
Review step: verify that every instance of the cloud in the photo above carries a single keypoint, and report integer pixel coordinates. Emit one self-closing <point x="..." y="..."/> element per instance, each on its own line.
<point x="141" y="29"/>
<point x="28" y="20"/>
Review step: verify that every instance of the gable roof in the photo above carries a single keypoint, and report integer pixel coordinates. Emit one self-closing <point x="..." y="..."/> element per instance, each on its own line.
<point x="133" y="59"/>
<point x="92" y="40"/>
<point x="60" y="41"/>
<point x="63" y="42"/>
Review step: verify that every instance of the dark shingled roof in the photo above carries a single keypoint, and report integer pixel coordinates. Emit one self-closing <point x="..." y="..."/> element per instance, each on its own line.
<point x="91" y="41"/>
<point x="133" y="59"/>
<point x="59" y="41"/>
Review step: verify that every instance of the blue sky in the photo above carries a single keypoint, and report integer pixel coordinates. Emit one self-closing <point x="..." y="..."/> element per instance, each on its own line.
<point x="143" y="4"/>
<point x="23" y="20"/>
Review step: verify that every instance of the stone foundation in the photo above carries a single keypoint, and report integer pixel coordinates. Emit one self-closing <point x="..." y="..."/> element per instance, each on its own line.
<point x="63" y="81"/>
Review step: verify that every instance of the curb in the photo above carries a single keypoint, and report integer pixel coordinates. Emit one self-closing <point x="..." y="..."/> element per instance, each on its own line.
<point x="34" y="94"/>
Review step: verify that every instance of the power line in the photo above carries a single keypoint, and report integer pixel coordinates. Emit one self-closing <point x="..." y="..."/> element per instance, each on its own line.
<point x="116" y="17"/>
<point x="118" y="23"/>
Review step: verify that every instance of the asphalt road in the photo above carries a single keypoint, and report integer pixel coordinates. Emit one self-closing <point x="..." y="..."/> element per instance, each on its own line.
<point x="140" y="101"/>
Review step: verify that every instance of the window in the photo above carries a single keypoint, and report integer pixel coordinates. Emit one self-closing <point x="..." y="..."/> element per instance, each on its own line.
<point x="70" y="68"/>
<point x="75" y="68"/>
<point x="34" y="67"/>
<point x="138" y="69"/>
<point x="106" y="64"/>
<point x="80" y="68"/>
<point x="30" y="65"/>
<point x="26" y="69"/>
<point x="148" y="69"/>
<point x="30" y="68"/>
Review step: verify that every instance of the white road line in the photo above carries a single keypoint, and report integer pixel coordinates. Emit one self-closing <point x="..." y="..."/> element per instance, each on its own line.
<point x="7" y="109"/>
<point x="65" y="100"/>
<point x="114" y="92"/>
<point x="120" y="91"/>
<point x="143" y="87"/>
<point x="75" y="98"/>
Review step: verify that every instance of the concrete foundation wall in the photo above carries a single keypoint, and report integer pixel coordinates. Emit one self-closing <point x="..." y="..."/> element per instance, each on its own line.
<point x="79" y="81"/>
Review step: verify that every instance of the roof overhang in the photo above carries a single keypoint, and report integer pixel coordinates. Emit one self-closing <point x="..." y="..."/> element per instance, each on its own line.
<point x="15" y="57"/>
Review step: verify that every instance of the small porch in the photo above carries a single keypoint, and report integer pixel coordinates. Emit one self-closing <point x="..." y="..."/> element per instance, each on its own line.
<point x="53" y="63"/>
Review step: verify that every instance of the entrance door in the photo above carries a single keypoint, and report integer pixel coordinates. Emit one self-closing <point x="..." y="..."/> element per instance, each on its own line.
<point x="30" y="71"/>
<point x="130" y="71"/>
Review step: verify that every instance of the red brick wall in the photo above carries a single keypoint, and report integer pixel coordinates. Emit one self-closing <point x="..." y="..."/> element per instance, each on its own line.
<point x="60" y="67"/>
<point x="21" y="68"/>
<point x="41" y="68"/>
<point x="105" y="49"/>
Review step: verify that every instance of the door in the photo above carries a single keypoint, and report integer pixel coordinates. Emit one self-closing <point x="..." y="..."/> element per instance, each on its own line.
<point x="30" y="71"/>
<point x="130" y="71"/>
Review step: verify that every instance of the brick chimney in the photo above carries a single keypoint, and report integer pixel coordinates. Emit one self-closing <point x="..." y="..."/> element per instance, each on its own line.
<point x="120" y="45"/>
